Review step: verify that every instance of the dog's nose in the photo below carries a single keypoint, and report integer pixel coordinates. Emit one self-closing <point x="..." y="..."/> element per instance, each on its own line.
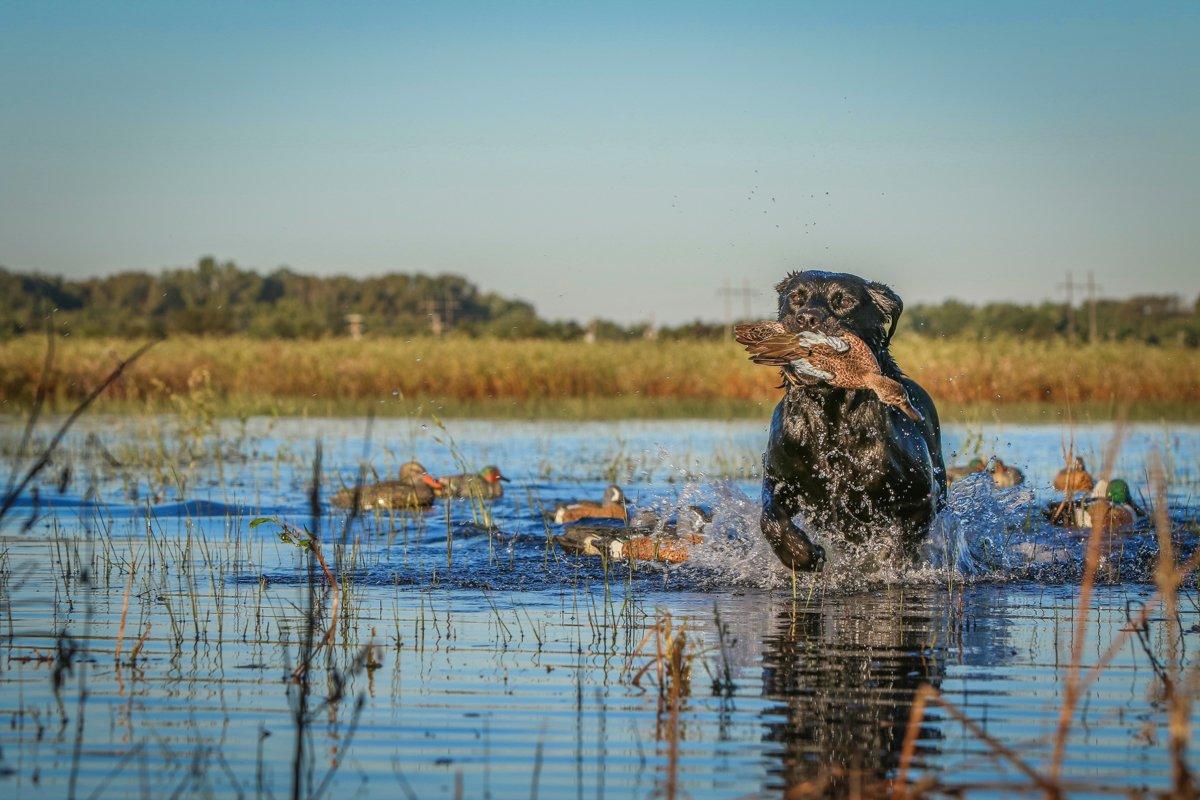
<point x="806" y="319"/>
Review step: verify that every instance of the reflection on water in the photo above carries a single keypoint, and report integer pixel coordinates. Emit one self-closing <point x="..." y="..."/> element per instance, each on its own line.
<point x="844" y="675"/>
<point x="149" y="632"/>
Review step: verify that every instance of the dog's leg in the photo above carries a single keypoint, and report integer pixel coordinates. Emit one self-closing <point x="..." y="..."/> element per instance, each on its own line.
<point x="791" y="544"/>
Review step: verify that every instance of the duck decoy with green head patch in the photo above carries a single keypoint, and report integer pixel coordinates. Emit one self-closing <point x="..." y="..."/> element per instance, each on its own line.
<point x="415" y="488"/>
<point x="487" y="484"/>
<point x="1110" y="506"/>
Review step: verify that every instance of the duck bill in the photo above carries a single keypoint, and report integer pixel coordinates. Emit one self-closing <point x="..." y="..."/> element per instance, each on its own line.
<point x="431" y="481"/>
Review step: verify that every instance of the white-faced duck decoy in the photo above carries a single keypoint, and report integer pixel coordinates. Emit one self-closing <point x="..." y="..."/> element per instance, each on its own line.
<point x="1004" y="475"/>
<point x="1074" y="478"/>
<point x="487" y="484"/>
<point x="845" y="360"/>
<point x="415" y="488"/>
<point x="643" y="541"/>
<point x="611" y="507"/>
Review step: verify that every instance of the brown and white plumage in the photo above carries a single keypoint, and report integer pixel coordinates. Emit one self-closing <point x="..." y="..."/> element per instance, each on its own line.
<point x="844" y="361"/>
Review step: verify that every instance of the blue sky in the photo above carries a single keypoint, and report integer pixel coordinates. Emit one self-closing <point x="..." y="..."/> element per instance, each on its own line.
<point x="613" y="160"/>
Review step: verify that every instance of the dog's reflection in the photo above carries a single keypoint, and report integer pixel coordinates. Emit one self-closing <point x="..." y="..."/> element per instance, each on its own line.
<point x="844" y="674"/>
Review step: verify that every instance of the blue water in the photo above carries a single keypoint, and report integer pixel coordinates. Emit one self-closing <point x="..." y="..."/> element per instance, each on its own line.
<point x="491" y="664"/>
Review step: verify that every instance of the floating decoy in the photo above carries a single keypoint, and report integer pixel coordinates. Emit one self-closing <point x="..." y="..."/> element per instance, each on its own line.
<point x="487" y="484"/>
<point x="1115" y="512"/>
<point x="673" y="544"/>
<point x="1006" y="476"/>
<point x="415" y="488"/>
<point x="689" y="520"/>
<point x="1074" y="478"/>
<point x="845" y="360"/>
<point x="1110" y="506"/>
<point x="611" y="507"/>
<point x="958" y="473"/>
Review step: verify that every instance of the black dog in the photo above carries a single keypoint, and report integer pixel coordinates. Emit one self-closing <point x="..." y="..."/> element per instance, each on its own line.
<point x="840" y="458"/>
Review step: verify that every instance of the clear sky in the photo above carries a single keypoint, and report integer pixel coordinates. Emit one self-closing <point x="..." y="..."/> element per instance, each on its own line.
<point x="619" y="160"/>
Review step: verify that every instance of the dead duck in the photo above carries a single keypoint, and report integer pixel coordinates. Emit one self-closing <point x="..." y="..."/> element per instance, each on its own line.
<point x="844" y="361"/>
<point x="415" y="488"/>
<point x="1074" y="478"/>
<point x="611" y="507"/>
<point x="1004" y="475"/>
<point x="959" y="472"/>
<point x="1110" y="506"/>
<point x="487" y="484"/>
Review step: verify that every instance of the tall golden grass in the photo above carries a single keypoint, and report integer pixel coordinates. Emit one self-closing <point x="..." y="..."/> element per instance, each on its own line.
<point x="341" y="371"/>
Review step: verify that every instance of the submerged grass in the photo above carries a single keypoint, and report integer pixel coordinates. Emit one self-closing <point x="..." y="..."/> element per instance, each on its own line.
<point x="493" y="378"/>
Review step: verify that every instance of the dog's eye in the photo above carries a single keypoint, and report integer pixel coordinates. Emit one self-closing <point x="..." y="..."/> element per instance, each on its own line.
<point x="840" y="301"/>
<point x="800" y="297"/>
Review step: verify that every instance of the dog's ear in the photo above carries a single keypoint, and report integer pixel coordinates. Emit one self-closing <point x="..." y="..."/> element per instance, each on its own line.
<point x="888" y="303"/>
<point x="779" y="287"/>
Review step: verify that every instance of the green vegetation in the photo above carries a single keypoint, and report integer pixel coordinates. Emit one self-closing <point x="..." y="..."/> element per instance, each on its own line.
<point x="219" y="299"/>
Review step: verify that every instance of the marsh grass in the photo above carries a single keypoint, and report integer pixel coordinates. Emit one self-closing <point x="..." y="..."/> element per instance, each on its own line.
<point x="495" y="378"/>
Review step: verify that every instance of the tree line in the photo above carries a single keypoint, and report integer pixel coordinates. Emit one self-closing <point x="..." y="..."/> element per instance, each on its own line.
<point x="215" y="298"/>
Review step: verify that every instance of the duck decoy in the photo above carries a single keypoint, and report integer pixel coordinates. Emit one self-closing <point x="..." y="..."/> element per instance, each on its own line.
<point x="650" y="538"/>
<point x="611" y="507"/>
<point x="1116" y="511"/>
<point x="1074" y="478"/>
<point x="688" y="521"/>
<point x="487" y="484"/>
<point x="415" y="488"/>
<point x="844" y="361"/>
<point x="1006" y="476"/>
<point x="958" y="473"/>
<point x="1109" y="506"/>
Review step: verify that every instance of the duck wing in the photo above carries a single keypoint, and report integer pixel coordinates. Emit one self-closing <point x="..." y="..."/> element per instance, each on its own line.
<point x="769" y="343"/>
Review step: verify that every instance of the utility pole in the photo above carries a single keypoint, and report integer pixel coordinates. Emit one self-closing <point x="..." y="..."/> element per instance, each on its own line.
<point x="728" y="292"/>
<point x="1092" y="290"/>
<point x="450" y="304"/>
<point x="1070" y="286"/>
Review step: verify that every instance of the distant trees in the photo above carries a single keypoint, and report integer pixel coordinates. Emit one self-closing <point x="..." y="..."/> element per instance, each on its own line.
<point x="1147" y="318"/>
<point x="218" y="298"/>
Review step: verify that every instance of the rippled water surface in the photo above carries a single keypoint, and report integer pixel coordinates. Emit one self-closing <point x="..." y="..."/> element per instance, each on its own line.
<point x="151" y="636"/>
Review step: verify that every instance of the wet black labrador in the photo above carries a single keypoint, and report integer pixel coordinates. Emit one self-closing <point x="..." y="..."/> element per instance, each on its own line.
<point x="839" y="458"/>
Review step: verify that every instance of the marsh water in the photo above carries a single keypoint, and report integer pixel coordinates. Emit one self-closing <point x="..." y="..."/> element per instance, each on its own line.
<point x="152" y="634"/>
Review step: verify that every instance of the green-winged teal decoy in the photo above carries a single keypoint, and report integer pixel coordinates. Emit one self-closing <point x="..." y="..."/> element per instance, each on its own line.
<point x="487" y="484"/>
<point x="415" y="488"/>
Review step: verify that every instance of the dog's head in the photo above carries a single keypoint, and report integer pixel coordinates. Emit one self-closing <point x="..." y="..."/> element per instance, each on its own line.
<point x="836" y="302"/>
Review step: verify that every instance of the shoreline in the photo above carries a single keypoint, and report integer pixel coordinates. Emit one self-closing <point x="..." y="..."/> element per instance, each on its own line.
<point x="605" y="409"/>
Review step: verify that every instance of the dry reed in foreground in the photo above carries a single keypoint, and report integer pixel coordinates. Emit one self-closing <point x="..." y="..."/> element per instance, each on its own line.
<point x="237" y="371"/>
